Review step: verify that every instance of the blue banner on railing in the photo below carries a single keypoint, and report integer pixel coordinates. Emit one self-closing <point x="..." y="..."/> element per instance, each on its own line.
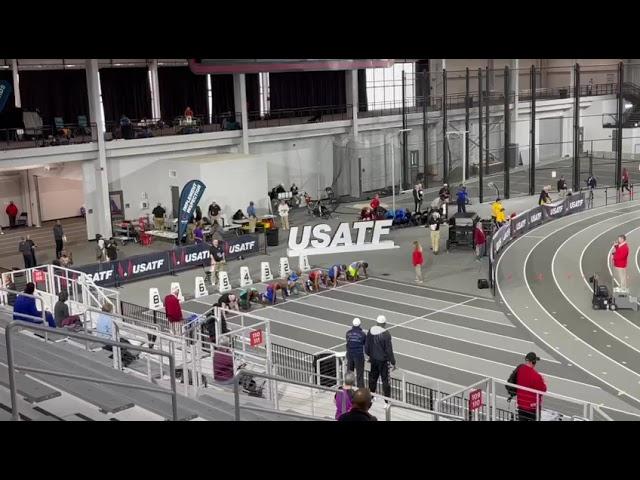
<point x="5" y="93"/>
<point x="189" y="198"/>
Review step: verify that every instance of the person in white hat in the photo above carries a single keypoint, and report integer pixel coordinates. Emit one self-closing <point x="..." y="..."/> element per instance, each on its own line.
<point x="379" y="349"/>
<point x="355" y="351"/>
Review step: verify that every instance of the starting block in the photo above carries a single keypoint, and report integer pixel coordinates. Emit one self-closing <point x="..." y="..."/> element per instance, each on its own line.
<point x="154" y="299"/>
<point x="266" y="275"/>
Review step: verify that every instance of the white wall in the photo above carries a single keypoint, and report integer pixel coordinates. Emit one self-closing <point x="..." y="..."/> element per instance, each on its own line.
<point x="307" y="162"/>
<point x="59" y="197"/>
<point x="231" y="180"/>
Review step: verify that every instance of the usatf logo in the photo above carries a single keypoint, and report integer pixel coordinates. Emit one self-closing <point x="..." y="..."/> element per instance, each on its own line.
<point x="135" y="269"/>
<point x="242" y="247"/>
<point x="536" y="217"/>
<point x="556" y="210"/>
<point x="99" y="276"/>
<point x="576" y="204"/>
<point x="521" y="224"/>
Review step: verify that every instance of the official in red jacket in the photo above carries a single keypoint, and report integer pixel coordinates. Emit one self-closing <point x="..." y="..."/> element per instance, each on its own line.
<point x="526" y="375"/>
<point x="174" y="312"/>
<point x="12" y="213"/>
<point x="620" y="258"/>
<point x="417" y="259"/>
<point x="479" y="240"/>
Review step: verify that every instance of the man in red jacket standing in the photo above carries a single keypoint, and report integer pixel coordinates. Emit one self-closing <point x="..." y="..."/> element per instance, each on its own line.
<point x="174" y="312"/>
<point x="12" y="212"/>
<point x="620" y="257"/>
<point x="526" y="375"/>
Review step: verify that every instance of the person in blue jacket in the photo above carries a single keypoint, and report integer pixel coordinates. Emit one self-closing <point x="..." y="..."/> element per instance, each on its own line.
<point x="25" y="308"/>
<point x="462" y="198"/>
<point x="355" y="351"/>
<point x="335" y="272"/>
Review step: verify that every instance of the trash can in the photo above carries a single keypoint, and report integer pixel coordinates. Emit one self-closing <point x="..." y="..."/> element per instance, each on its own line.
<point x="272" y="237"/>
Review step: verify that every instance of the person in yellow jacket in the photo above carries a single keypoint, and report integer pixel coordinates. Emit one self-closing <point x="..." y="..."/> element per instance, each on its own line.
<point x="497" y="212"/>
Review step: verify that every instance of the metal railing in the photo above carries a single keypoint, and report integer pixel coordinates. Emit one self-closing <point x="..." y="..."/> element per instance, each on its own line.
<point x="12" y="366"/>
<point x="297" y="116"/>
<point x="46" y="136"/>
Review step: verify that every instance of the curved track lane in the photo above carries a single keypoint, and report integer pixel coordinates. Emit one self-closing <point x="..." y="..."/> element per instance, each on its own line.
<point x="540" y="281"/>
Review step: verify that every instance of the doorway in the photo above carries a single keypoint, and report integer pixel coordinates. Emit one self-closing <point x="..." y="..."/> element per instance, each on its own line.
<point x="116" y="206"/>
<point x="175" y="201"/>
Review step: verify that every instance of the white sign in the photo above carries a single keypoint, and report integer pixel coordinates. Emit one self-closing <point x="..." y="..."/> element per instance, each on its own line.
<point x="245" y="277"/>
<point x="317" y="239"/>
<point x="265" y="270"/>
<point x="201" y="289"/>
<point x="303" y="263"/>
<point x="225" y="284"/>
<point x="284" y="267"/>
<point x="175" y="286"/>
<point x="154" y="299"/>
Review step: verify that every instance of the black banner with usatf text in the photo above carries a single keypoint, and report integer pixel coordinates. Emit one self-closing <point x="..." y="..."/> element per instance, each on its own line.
<point x="102" y="274"/>
<point x="143" y="266"/>
<point x="191" y="256"/>
<point x="242" y="246"/>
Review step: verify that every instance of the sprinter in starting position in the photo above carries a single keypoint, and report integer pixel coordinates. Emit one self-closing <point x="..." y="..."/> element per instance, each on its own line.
<point x="294" y="282"/>
<point x="353" y="270"/>
<point x="270" y="294"/>
<point x="315" y="277"/>
<point x="335" y="272"/>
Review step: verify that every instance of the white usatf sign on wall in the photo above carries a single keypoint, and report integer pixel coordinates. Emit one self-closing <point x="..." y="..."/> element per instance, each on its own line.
<point x="320" y="239"/>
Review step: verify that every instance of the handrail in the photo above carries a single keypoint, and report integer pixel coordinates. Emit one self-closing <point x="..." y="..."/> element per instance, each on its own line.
<point x="13" y="366"/>
<point x="35" y="297"/>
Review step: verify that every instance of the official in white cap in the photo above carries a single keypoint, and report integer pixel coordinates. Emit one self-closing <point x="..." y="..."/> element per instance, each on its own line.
<point x="355" y="351"/>
<point x="379" y="349"/>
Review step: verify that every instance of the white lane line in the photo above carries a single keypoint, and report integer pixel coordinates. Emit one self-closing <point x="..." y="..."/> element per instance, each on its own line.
<point x="436" y="299"/>
<point x="436" y="311"/>
<point x="429" y="288"/>
<point x="404" y="325"/>
<point x="636" y="262"/>
<point x="575" y="337"/>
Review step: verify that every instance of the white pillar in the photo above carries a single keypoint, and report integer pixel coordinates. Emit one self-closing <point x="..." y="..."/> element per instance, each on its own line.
<point x="16" y="83"/>
<point x="491" y="77"/>
<point x="102" y="211"/>
<point x="265" y="94"/>
<point x="353" y="99"/>
<point x="34" y="207"/>
<point x="515" y="84"/>
<point x="155" y="89"/>
<point x="240" y="100"/>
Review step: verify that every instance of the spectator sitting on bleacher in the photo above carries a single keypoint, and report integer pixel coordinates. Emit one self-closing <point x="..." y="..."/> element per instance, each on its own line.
<point x="25" y="308"/>
<point x="61" y="313"/>
<point x="223" y="362"/>
<point x="104" y="328"/>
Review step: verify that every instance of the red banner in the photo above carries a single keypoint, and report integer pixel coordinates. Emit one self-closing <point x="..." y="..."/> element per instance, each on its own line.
<point x="38" y="276"/>
<point x="256" y="338"/>
<point x="475" y="400"/>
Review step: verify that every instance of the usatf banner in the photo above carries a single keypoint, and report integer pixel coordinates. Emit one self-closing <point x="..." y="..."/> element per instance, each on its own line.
<point x="241" y="246"/>
<point x="189" y="198"/>
<point x="142" y="266"/>
<point x="184" y="258"/>
<point x="5" y="93"/>
<point x="102" y="274"/>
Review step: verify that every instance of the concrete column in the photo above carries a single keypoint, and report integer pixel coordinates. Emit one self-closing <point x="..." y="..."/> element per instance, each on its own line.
<point x="544" y="74"/>
<point x="240" y="101"/>
<point x="515" y="87"/>
<point x="101" y="216"/>
<point x="16" y="83"/>
<point x="155" y="89"/>
<point x="265" y="95"/>
<point x="435" y="67"/>
<point x="491" y="76"/>
<point x="34" y="207"/>
<point x="353" y="99"/>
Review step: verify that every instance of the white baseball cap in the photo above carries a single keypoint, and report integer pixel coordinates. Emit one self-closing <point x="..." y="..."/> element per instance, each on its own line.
<point x="356" y="322"/>
<point x="381" y="319"/>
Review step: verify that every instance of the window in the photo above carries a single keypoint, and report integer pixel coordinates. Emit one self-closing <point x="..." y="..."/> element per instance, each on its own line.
<point x="384" y="86"/>
<point x="414" y="158"/>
